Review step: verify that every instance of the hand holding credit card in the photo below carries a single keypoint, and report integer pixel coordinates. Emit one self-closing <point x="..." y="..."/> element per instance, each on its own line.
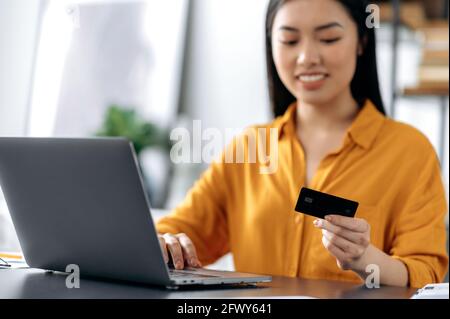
<point x="318" y="204"/>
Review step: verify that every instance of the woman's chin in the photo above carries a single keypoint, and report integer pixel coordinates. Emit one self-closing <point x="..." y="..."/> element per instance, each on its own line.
<point x="313" y="99"/>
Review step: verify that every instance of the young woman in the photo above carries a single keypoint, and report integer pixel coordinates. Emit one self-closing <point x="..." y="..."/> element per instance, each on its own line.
<point x="333" y="136"/>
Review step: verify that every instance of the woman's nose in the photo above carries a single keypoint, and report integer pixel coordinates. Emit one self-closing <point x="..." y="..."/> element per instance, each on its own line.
<point x="308" y="55"/>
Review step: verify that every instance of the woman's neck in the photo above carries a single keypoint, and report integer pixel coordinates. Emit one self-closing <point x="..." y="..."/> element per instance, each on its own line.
<point x="332" y="116"/>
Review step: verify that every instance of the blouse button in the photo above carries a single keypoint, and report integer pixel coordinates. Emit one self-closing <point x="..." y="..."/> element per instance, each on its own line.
<point x="292" y="272"/>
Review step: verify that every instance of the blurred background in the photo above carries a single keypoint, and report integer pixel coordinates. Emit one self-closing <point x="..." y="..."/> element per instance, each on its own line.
<point x="140" y="68"/>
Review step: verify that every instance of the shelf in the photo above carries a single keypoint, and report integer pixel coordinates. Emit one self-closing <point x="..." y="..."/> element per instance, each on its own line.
<point x="411" y="14"/>
<point x="427" y="90"/>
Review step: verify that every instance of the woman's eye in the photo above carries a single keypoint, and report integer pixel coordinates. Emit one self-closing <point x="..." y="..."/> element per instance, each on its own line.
<point x="291" y="42"/>
<point x="329" y="41"/>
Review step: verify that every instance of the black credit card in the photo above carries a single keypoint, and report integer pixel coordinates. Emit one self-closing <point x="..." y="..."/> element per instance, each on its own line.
<point x="320" y="204"/>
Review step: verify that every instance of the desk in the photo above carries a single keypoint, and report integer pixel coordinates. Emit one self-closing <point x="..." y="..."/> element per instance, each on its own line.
<point x="33" y="283"/>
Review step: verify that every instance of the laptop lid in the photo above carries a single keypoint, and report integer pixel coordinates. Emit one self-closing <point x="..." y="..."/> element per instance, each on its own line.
<point x="81" y="201"/>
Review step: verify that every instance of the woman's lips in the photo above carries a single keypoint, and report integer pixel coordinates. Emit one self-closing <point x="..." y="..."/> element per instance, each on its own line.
<point x="312" y="81"/>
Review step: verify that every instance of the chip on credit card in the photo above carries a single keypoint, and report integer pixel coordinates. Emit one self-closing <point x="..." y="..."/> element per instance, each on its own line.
<point x="319" y="204"/>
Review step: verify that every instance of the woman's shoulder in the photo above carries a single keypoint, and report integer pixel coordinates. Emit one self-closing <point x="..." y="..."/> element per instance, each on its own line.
<point x="405" y="137"/>
<point x="273" y="125"/>
<point x="257" y="130"/>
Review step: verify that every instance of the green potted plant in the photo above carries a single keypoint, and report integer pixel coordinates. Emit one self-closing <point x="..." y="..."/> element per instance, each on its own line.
<point x="125" y="122"/>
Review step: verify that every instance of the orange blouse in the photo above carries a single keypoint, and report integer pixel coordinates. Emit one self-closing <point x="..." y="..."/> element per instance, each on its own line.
<point x="389" y="167"/>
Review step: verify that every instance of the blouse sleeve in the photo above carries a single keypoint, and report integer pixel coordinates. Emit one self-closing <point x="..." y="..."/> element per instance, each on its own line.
<point x="420" y="233"/>
<point x="202" y="215"/>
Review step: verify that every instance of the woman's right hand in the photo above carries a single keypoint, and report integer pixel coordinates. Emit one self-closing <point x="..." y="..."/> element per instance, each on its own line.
<point x="181" y="248"/>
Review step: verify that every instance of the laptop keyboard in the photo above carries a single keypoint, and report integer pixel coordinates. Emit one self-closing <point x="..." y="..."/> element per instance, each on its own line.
<point x="186" y="273"/>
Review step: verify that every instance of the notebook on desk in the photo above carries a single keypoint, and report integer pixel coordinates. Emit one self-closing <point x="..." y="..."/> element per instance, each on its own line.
<point x="12" y="260"/>
<point x="432" y="291"/>
<point x="81" y="201"/>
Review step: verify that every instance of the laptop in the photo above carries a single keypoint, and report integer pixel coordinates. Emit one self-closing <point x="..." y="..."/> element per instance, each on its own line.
<point x="82" y="201"/>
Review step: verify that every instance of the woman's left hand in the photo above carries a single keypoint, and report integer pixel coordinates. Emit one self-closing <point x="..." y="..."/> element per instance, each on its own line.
<point x="347" y="239"/>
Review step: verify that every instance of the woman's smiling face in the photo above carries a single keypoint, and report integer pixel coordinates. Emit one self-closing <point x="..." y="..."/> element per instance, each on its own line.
<point x="315" y="46"/>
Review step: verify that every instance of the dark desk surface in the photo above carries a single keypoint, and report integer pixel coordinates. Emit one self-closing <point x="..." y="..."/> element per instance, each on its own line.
<point x="33" y="283"/>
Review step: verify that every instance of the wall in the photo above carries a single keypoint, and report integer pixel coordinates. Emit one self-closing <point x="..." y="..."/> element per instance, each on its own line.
<point x="225" y="81"/>
<point x="18" y="31"/>
<point x="18" y="22"/>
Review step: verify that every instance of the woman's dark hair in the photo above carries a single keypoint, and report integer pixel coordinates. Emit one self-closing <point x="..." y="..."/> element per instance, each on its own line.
<point x="365" y="81"/>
